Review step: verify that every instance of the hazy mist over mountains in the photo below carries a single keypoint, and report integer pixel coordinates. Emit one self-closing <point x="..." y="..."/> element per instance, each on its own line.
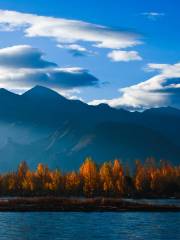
<point x="43" y="126"/>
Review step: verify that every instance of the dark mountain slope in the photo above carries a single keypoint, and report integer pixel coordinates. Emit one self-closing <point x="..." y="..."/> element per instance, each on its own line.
<point x="165" y="120"/>
<point x="43" y="126"/>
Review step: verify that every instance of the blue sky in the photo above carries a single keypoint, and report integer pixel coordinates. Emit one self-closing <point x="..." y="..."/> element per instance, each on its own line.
<point x="155" y="24"/>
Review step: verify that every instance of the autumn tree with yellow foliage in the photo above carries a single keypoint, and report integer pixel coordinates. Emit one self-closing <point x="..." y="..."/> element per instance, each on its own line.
<point x="89" y="175"/>
<point x="110" y="179"/>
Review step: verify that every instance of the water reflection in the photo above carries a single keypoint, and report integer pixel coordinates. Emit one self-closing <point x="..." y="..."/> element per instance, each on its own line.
<point x="77" y="226"/>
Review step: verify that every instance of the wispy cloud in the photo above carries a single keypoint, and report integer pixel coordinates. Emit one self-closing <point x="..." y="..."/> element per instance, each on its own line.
<point x="68" y="32"/>
<point x="23" y="66"/>
<point x="124" y="56"/>
<point x="77" y="50"/>
<point x="153" y="15"/>
<point x="161" y="90"/>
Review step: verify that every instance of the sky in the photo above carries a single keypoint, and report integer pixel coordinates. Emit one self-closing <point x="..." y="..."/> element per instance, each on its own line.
<point x="123" y="53"/>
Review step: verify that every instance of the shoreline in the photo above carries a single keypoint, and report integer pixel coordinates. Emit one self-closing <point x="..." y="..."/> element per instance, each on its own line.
<point x="59" y="204"/>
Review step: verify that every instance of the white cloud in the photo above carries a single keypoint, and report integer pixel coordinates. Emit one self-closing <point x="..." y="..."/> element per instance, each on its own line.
<point x="73" y="47"/>
<point x="76" y="50"/>
<point x="23" y="56"/>
<point x="72" y="94"/>
<point x="23" y="66"/>
<point x="153" y="15"/>
<point x="66" y="31"/>
<point x="160" y="90"/>
<point x="124" y="56"/>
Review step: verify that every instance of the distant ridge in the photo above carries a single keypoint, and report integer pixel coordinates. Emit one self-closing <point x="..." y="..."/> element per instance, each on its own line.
<point x="46" y="127"/>
<point x="45" y="92"/>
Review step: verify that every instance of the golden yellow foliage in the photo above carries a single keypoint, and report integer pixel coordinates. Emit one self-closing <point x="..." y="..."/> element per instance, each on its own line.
<point x="109" y="179"/>
<point x="89" y="174"/>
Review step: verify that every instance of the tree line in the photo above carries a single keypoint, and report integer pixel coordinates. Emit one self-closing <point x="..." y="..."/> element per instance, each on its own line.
<point x="110" y="179"/>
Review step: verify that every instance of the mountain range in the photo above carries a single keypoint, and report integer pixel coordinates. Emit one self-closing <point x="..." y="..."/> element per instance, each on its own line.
<point x="43" y="126"/>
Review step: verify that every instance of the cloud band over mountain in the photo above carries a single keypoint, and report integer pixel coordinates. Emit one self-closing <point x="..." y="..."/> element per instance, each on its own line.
<point x="23" y="66"/>
<point x="160" y="90"/>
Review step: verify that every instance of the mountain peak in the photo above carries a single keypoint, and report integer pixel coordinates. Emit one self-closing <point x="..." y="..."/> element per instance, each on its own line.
<point x="3" y="90"/>
<point x="5" y="93"/>
<point x="39" y="89"/>
<point x="104" y="107"/>
<point x="43" y="92"/>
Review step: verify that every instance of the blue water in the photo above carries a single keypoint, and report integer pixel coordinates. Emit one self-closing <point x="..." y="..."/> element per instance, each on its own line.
<point x="86" y="226"/>
<point x="171" y="201"/>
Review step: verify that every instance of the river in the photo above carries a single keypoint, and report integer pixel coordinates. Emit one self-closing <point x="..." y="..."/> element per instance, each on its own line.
<point x="87" y="226"/>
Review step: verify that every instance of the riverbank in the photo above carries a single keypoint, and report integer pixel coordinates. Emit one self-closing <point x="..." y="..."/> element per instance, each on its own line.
<point x="31" y="204"/>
